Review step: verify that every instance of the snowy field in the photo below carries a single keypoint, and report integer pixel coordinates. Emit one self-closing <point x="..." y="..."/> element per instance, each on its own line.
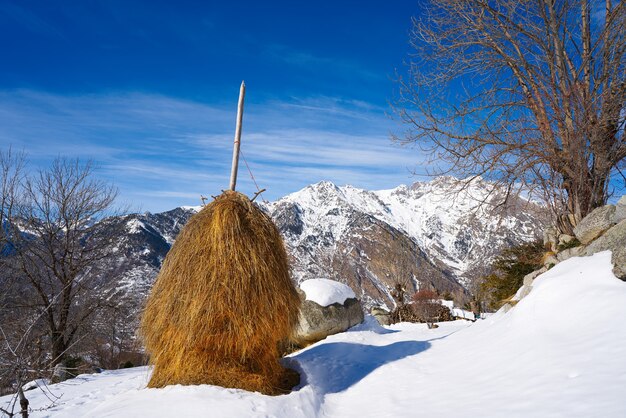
<point x="561" y="352"/>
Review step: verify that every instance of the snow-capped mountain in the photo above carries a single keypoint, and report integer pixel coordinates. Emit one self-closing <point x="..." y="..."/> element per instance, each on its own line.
<point x="433" y="234"/>
<point x="142" y="243"/>
<point x="455" y="226"/>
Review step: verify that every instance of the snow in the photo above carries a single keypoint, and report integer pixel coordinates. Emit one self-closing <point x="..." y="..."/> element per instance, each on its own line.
<point x="445" y="218"/>
<point x="34" y="384"/>
<point x="192" y="208"/>
<point x="135" y="226"/>
<point x="325" y="292"/>
<point x="447" y="303"/>
<point x="560" y="352"/>
<point x="462" y="314"/>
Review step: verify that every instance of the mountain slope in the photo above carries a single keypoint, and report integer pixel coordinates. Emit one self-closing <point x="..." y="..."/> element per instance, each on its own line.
<point x="430" y="234"/>
<point x="436" y="233"/>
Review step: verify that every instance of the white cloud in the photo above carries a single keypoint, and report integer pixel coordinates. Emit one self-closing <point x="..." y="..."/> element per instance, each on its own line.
<point x="162" y="151"/>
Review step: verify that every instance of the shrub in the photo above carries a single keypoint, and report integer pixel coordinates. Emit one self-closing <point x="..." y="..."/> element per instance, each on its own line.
<point x="428" y="309"/>
<point x="424" y="308"/>
<point x="509" y="269"/>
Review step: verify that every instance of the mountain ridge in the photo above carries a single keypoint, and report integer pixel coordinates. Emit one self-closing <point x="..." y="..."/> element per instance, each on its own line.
<point x="370" y="240"/>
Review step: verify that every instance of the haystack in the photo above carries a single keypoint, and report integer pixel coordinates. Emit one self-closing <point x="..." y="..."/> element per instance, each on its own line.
<point x="222" y="302"/>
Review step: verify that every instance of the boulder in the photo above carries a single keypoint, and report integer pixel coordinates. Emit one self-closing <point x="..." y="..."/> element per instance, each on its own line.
<point x="506" y="307"/>
<point x="550" y="239"/>
<point x="530" y="277"/>
<point x="59" y="373"/>
<point x="550" y="261"/>
<point x="615" y="240"/>
<point x="522" y="292"/>
<point x="316" y="322"/>
<point x="382" y="315"/>
<point x="620" y="210"/>
<point x="570" y="252"/>
<point x="565" y="239"/>
<point x="594" y="224"/>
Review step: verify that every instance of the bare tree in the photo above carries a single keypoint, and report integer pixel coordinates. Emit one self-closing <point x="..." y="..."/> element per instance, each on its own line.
<point x="56" y="248"/>
<point x="528" y="93"/>
<point x="13" y="362"/>
<point x="17" y="364"/>
<point x="11" y="175"/>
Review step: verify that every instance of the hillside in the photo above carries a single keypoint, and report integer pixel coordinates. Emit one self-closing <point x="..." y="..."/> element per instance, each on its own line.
<point x="561" y="352"/>
<point x="438" y="233"/>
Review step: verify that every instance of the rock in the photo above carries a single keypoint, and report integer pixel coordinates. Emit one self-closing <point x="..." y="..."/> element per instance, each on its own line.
<point x="530" y="277"/>
<point x="594" y="224"/>
<point x="615" y="240"/>
<point x="550" y="261"/>
<point x="570" y="252"/>
<point x="59" y="374"/>
<point x="550" y="238"/>
<point x="565" y="239"/>
<point x="316" y="322"/>
<point x="381" y="315"/>
<point x="620" y="210"/>
<point x="522" y="292"/>
<point x="506" y="307"/>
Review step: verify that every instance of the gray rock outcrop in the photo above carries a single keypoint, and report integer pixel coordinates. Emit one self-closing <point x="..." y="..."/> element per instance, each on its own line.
<point x="382" y="316"/>
<point x="550" y="238"/>
<point x="565" y="239"/>
<point x="523" y="292"/>
<point x="594" y="224"/>
<point x="550" y="261"/>
<point x="615" y="240"/>
<point x="530" y="277"/>
<point x="317" y="322"/>
<point x="570" y="252"/>
<point x="620" y="210"/>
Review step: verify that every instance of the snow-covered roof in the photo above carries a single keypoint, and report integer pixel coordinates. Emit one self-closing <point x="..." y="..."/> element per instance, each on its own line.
<point x="463" y="314"/>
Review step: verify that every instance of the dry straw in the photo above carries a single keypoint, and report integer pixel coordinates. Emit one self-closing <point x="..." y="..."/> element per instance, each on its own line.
<point x="222" y="302"/>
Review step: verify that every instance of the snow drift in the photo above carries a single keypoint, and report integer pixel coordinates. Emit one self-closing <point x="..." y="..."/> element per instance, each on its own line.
<point x="561" y="352"/>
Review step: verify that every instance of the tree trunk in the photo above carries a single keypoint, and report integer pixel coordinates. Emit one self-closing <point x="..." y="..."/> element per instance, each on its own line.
<point x="59" y="349"/>
<point x="582" y="196"/>
<point x="23" y="402"/>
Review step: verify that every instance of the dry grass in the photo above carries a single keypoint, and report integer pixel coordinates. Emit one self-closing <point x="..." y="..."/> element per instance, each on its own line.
<point x="222" y="302"/>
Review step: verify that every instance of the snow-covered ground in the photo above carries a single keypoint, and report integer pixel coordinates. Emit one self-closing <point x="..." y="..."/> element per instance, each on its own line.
<point x="561" y="352"/>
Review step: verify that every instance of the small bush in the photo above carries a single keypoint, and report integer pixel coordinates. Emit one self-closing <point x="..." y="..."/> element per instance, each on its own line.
<point x="428" y="308"/>
<point x="425" y="296"/>
<point x="509" y="269"/>
<point x="424" y="308"/>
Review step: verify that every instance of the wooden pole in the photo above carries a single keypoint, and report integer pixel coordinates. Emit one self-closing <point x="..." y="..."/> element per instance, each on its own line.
<point x="235" y="164"/>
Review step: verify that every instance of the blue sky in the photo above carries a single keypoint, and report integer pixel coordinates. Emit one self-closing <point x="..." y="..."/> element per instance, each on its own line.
<point x="149" y="91"/>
